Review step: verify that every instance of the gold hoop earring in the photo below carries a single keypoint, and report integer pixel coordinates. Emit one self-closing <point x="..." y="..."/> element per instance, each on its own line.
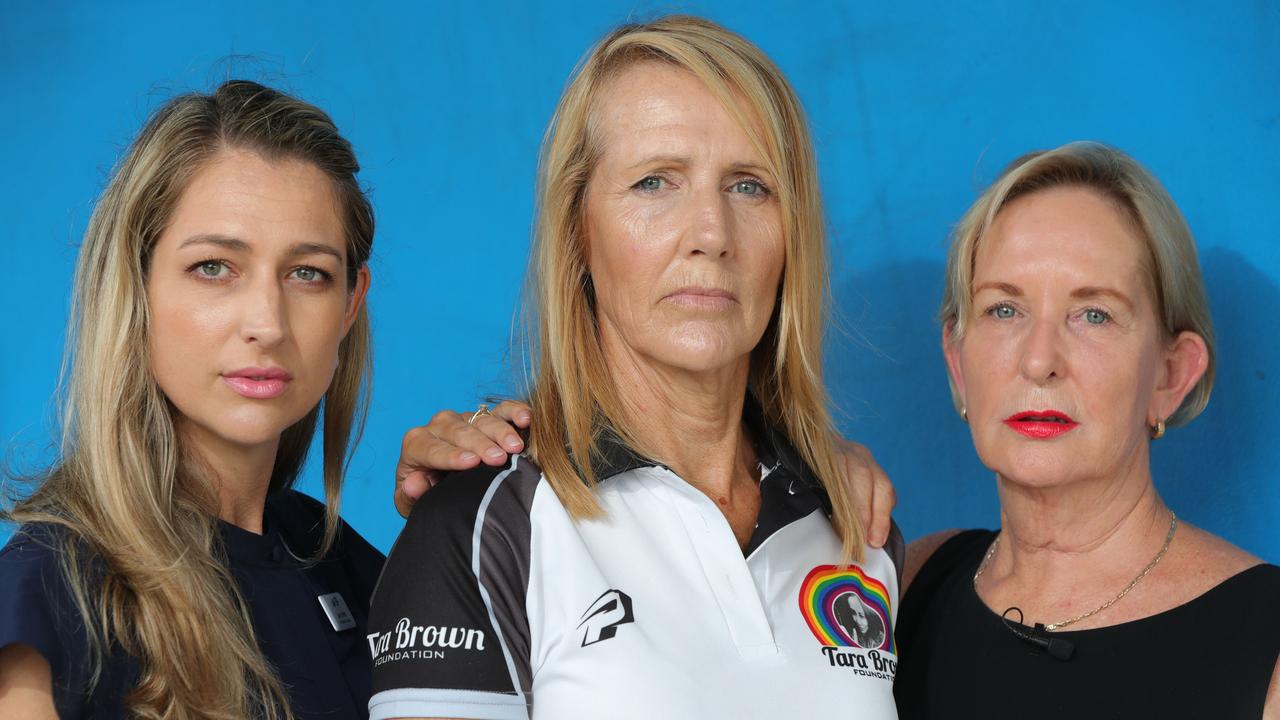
<point x="1157" y="432"/>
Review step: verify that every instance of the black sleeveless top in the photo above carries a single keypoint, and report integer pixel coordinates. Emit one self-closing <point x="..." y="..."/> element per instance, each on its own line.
<point x="1210" y="658"/>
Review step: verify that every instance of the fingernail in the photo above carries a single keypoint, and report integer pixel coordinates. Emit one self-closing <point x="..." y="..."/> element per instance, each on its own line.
<point x="524" y="417"/>
<point x="469" y="456"/>
<point x="512" y="442"/>
<point x="494" y="453"/>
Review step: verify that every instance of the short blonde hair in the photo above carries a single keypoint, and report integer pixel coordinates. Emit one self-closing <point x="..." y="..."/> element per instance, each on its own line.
<point x="1181" y="303"/>
<point x="573" y="397"/>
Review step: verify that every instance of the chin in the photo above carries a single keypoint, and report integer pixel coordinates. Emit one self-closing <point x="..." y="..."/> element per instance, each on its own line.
<point x="254" y="426"/>
<point x="702" y="351"/>
<point x="1036" y="468"/>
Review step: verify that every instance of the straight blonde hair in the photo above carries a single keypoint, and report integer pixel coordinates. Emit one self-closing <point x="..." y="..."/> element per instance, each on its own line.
<point x="142" y="552"/>
<point x="1174" y="270"/>
<point x="573" y="397"/>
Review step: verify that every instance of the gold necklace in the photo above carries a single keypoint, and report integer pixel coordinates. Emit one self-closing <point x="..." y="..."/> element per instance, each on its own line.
<point x="1173" y="527"/>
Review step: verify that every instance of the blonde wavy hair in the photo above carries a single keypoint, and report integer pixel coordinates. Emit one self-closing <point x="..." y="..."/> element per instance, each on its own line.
<point x="573" y="397"/>
<point x="142" y="551"/>
<point x="1174" y="270"/>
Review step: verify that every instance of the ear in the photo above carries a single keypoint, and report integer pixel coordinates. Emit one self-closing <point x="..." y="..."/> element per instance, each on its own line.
<point x="1184" y="362"/>
<point x="951" y="351"/>
<point x="355" y="298"/>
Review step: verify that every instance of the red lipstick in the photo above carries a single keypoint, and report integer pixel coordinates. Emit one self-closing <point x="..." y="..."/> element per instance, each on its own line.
<point x="1040" y="424"/>
<point x="258" y="383"/>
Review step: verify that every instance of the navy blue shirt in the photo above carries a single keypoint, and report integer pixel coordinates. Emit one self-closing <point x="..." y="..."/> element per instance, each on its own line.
<point x="325" y="670"/>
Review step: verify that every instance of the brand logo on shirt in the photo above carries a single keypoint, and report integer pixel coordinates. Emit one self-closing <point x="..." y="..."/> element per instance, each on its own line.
<point x="421" y="642"/>
<point x="600" y="622"/>
<point x="847" y="608"/>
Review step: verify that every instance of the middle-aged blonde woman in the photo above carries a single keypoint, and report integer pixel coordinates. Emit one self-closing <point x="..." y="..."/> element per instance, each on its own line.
<point x="673" y="543"/>
<point x="1076" y="330"/>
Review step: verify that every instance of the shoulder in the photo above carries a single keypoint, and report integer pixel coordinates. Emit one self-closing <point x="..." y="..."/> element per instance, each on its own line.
<point x="938" y="553"/>
<point x="35" y="552"/>
<point x="300" y="518"/>
<point x="484" y="493"/>
<point x="37" y="606"/>
<point x="484" y="511"/>
<point x="1199" y="561"/>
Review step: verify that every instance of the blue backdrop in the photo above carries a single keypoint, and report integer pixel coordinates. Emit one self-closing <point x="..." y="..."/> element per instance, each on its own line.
<point x="915" y="106"/>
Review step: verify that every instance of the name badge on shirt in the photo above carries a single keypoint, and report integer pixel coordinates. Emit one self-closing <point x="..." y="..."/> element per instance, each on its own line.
<point x="335" y="608"/>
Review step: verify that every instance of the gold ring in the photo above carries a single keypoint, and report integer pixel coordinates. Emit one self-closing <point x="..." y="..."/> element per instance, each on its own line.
<point x="479" y="413"/>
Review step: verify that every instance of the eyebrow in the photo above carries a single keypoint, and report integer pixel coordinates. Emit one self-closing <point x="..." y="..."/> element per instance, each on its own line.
<point x="1084" y="293"/>
<point x="1005" y="288"/>
<point x="236" y="244"/>
<point x="662" y="159"/>
<point x="1087" y="293"/>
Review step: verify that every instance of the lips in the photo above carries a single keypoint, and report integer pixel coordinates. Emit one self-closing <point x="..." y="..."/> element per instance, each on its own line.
<point x="258" y="383"/>
<point x="702" y="298"/>
<point x="1041" y="424"/>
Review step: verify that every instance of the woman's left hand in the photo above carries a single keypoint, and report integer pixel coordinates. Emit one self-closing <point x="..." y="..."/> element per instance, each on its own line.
<point x="872" y="488"/>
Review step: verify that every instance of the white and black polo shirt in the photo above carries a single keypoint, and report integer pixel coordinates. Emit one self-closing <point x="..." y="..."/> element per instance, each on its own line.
<point x="495" y="603"/>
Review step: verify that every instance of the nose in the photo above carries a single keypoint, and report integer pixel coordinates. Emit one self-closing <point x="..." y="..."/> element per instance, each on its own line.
<point x="263" y="316"/>
<point x="712" y="227"/>
<point x="1042" y="358"/>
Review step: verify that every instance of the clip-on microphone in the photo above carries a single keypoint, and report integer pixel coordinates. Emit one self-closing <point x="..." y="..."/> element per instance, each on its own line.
<point x="1057" y="648"/>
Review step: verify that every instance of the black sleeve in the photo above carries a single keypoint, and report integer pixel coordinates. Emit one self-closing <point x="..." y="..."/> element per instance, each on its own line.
<point x="896" y="547"/>
<point x="448" y="626"/>
<point x="36" y="609"/>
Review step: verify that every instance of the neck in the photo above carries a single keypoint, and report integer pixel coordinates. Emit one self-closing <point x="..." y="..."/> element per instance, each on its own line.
<point x="691" y="421"/>
<point x="240" y="474"/>
<point x="1055" y="538"/>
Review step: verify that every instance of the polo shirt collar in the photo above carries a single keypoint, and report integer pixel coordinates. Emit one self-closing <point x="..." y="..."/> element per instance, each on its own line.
<point x="776" y="454"/>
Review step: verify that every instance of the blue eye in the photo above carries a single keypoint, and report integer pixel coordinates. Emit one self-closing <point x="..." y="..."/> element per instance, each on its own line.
<point x="750" y="187"/>
<point x="651" y="183"/>
<point x="312" y="275"/>
<point x="211" y="269"/>
<point x="1003" y="312"/>
<point x="1096" y="317"/>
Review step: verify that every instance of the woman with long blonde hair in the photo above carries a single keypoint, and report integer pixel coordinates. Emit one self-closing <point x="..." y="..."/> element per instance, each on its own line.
<point x="164" y="567"/>
<point x="675" y="540"/>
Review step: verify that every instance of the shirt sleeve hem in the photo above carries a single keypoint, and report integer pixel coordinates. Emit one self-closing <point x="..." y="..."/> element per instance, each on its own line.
<point x="436" y="703"/>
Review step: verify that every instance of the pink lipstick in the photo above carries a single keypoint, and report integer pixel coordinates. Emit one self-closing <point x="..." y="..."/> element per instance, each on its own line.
<point x="1041" y="424"/>
<point x="258" y="383"/>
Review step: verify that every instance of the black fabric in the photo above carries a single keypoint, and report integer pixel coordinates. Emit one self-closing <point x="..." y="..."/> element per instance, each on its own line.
<point x="325" y="671"/>
<point x="1210" y="658"/>
<point x="431" y="627"/>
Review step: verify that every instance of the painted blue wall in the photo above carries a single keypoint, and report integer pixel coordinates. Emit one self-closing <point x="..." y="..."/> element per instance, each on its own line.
<point x="915" y="107"/>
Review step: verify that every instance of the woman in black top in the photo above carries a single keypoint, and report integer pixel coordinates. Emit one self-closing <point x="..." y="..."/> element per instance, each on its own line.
<point x="1076" y="330"/>
<point x="164" y="567"/>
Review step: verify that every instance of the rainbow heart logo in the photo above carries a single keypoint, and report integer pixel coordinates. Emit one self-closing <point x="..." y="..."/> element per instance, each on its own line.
<point x="845" y="607"/>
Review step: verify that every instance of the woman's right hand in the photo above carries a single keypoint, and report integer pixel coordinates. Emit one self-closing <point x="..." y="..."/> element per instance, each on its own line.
<point x="450" y="443"/>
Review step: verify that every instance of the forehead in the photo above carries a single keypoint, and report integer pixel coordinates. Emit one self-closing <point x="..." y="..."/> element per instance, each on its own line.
<point x="652" y="106"/>
<point x="1063" y="234"/>
<point x="241" y="194"/>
